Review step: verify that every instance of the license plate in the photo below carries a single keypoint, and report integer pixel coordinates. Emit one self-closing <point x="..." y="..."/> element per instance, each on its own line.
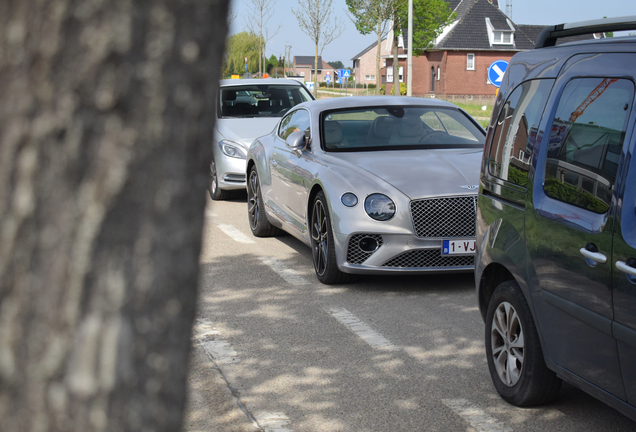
<point x="458" y="247"/>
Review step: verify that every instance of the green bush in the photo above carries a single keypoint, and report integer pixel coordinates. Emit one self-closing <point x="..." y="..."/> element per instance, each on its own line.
<point x="402" y="89"/>
<point x="572" y="195"/>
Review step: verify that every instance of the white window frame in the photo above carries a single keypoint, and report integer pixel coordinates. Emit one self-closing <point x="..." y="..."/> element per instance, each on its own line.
<point x="369" y="77"/>
<point x="499" y="37"/>
<point x="470" y="61"/>
<point x="439" y="73"/>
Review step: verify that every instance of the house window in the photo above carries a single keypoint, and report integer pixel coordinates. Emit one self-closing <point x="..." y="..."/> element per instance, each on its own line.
<point x="389" y="74"/>
<point x="470" y="62"/>
<point x="502" y="37"/>
<point x="439" y="73"/>
<point x="369" y="77"/>
<point x="383" y="63"/>
<point x="302" y="74"/>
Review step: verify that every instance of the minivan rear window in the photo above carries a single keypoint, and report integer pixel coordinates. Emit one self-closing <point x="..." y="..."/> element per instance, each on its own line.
<point x="516" y="131"/>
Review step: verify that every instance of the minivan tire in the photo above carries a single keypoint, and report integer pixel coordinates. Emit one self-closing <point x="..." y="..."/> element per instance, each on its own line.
<point x="515" y="358"/>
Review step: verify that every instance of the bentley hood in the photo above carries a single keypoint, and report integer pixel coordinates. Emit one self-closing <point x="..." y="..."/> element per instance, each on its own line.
<point x="245" y="130"/>
<point x="421" y="173"/>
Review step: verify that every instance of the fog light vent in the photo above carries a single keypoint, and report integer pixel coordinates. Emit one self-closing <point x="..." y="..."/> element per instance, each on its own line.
<point x="362" y="246"/>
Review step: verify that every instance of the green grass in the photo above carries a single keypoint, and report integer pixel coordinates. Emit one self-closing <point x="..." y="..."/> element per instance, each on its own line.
<point x="475" y="110"/>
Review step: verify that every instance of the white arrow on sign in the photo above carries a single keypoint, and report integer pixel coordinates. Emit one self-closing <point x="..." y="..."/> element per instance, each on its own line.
<point x="499" y="72"/>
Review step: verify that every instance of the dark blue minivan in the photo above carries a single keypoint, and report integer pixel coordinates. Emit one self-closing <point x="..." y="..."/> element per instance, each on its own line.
<point x="555" y="269"/>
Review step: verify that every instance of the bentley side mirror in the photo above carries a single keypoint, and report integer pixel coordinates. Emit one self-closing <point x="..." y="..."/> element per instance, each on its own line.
<point x="296" y="141"/>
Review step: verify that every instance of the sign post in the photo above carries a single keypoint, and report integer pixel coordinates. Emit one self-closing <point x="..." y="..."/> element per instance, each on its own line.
<point x="342" y="74"/>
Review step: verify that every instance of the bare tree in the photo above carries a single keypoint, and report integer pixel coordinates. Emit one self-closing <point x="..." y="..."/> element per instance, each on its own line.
<point x="314" y="19"/>
<point x="372" y="16"/>
<point x="106" y="117"/>
<point x="257" y="19"/>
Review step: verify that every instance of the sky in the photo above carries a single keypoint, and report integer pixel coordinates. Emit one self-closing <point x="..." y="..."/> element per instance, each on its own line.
<point x="351" y="43"/>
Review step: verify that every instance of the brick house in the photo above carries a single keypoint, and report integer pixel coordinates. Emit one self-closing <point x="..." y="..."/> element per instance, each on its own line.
<point x="364" y="62"/>
<point x="457" y="64"/>
<point x="304" y="67"/>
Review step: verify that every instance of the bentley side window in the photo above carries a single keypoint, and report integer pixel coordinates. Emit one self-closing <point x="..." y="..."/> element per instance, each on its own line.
<point x="296" y="121"/>
<point x="516" y="132"/>
<point x="585" y="141"/>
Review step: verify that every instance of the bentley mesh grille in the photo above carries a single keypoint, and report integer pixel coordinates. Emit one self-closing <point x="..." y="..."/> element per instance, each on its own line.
<point x="355" y="255"/>
<point x="444" y="217"/>
<point x="421" y="258"/>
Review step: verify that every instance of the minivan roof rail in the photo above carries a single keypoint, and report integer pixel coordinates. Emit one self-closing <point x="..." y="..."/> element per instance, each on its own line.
<point x="549" y="35"/>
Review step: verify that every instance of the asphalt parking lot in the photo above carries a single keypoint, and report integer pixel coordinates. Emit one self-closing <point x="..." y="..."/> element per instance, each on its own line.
<point x="275" y="350"/>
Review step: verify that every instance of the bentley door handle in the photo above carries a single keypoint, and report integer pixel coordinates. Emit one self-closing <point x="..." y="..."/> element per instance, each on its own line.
<point x="627" y="267"/>
<point x="590" y="251"/>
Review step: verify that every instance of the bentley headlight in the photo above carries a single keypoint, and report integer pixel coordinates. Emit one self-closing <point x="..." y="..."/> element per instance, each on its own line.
<point x="232" y="149"/>
<point x="379" y="207"/>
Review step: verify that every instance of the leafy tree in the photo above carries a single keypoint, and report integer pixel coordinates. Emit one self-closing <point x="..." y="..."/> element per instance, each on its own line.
<point x="107" y="112"/>
<point x="429" y="19"/>
<point x="239" y="46"/>
<point x="314" y="19"/>
<point x="336" y="64"/>
<point x="371" y="16"/>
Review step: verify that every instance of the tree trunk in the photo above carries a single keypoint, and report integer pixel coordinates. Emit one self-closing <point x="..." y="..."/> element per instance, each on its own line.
<point x="106" y="117"/>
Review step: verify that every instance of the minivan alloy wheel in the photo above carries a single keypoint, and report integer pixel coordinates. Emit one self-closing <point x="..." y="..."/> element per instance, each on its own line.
<point x="507" y="343"/>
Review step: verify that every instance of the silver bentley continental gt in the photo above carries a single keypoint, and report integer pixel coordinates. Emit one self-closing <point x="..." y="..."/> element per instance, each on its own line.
<point x="372" y="184"/>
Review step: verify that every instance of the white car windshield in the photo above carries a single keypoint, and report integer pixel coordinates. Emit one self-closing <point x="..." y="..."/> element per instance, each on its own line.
<point x="260" y="100"/>
<point x="399" y="128"/>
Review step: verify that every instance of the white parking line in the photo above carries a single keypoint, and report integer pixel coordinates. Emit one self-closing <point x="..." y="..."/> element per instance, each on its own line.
<point x="235" y="234"/>
<point x="273" y="422"/>
<point x="366" y="333"/>
<point x="477" y="418"/>
<point x="290" y="276"/>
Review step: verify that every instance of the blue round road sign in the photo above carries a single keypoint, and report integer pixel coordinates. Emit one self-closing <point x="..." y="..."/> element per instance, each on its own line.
<point x="496" y="72"/>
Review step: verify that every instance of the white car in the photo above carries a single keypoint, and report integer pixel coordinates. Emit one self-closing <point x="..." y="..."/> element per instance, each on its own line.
<point x="247" y="108"/>
<point x="372" y="184"/>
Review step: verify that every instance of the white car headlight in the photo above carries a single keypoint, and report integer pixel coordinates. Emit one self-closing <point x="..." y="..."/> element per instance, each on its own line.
<point x="232" y="149"/>
<point x="349" y="199"/>
<point x="379" y="207"/>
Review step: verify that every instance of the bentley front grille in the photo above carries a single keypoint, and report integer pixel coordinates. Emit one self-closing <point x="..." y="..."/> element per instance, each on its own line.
<point x="452" y="217"/>
<point x="422" y="258"/>
<point x="362" y="246"/>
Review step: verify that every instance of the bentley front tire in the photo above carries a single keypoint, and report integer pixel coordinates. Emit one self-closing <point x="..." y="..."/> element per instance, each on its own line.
<point x="513" y="350"/>
<point x="322" y="244"/>
<point x="259" y="224"/>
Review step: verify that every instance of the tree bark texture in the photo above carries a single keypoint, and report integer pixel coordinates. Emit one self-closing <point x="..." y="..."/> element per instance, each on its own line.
<point x="106" y="118"/>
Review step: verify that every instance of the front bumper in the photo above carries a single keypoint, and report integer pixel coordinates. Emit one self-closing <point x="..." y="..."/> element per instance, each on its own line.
<point x="397" y="253"/>
<point x="230" y="172"/>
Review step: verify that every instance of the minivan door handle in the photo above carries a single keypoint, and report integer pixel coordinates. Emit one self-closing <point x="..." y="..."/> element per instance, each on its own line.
<point x="628" y="267"/>
<point x="590" y="251"/>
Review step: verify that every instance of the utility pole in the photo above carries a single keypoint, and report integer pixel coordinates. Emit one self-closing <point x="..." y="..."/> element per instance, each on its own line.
<point x="409" y="56"/>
